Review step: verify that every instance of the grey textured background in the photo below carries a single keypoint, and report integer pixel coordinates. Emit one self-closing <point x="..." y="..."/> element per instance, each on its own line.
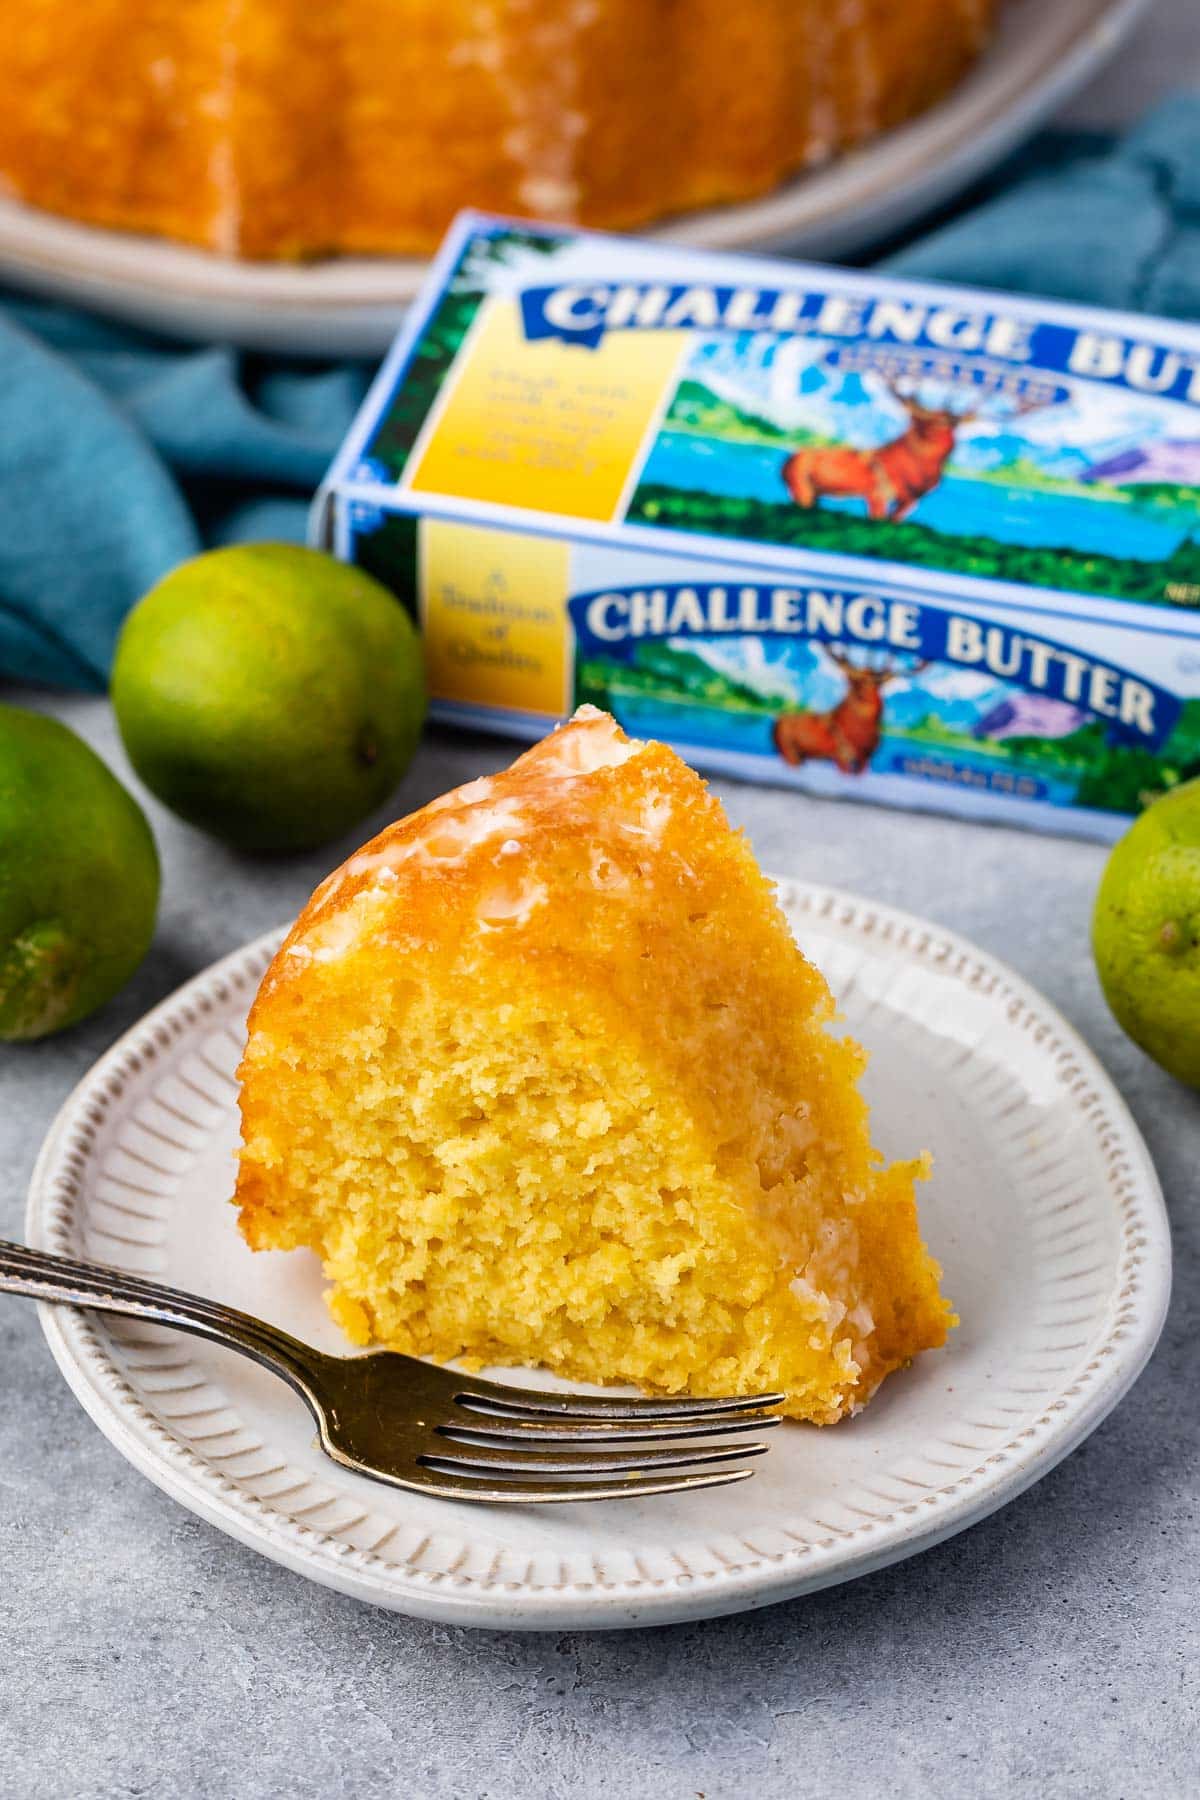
<point x="1052" y="1651"/>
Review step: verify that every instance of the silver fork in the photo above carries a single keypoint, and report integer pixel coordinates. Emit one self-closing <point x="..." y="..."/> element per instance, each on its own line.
<point x="420" y="1426"/>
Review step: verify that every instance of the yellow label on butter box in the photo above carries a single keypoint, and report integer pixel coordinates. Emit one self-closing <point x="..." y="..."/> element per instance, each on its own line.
<point x="549" y="425"/>
<point x="494" y="617"/>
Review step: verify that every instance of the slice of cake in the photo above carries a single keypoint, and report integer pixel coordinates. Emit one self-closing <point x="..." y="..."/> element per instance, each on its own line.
<point x="543" y="1079"/>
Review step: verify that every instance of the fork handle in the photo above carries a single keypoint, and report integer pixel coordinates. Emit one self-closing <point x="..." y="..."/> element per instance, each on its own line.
<point x="40" y="1276"/>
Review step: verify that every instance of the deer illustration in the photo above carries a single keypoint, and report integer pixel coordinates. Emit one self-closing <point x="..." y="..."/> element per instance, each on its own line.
<point x="894" y="477"/>
<point x="848" y="734"/>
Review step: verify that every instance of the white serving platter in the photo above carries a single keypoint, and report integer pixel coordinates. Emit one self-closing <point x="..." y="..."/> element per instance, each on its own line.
<point x="1044" y="1209"/>
<point x="1044" y="50"/>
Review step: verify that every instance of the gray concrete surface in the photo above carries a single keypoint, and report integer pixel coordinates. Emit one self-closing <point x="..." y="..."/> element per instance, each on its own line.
<point x="1163" y="53"/>
<point x="1052" y="1651"/>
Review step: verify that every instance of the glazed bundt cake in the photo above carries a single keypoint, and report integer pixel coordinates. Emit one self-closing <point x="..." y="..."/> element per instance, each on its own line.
<point x="543" y="1079"/>
<point x="276" y="128"/>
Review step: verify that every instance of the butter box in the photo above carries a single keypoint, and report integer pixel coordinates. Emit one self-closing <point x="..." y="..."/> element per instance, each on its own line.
<point x="878" y="539"/>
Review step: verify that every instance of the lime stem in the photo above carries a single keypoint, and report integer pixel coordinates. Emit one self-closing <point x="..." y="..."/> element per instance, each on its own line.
<point x="1171" y="936"/>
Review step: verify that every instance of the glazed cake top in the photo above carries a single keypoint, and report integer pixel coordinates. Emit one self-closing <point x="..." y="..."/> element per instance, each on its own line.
<point x="483" y="829"/>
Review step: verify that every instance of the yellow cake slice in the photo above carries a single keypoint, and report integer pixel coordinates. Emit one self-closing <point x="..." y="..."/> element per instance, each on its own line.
<point x="542" y="1077"/>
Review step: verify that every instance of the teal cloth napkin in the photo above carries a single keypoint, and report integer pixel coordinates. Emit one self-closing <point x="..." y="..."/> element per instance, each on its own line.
<point x="122" y="453"/>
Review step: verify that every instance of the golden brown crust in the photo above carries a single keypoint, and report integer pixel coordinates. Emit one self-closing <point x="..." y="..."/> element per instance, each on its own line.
<point x="553" y="1031"/>
<point x="297" y="130"/>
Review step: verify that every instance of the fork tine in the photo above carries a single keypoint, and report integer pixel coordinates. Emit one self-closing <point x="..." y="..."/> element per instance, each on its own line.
<point x="567" y="1462"/>
<point x="492" y="1397"/>
<point x="532" y="1493"/>
<point x="500" y="1430"/>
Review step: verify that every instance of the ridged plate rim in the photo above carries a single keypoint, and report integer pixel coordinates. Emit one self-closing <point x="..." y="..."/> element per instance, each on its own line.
<point x="59" y="1196"/>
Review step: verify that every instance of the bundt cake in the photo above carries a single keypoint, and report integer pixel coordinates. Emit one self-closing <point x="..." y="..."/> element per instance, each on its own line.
<point x="542" y="1077"/>
<point x="283" y="128"/>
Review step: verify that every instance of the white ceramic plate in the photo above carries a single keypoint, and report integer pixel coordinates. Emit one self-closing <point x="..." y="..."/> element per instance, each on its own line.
<point x="1043" y="51"/>
<point x="1044" y="1210"/>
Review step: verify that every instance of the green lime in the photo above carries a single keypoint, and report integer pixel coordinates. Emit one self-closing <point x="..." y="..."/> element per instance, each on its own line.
<point x="1146" y="932"/>
<point x="78" y="878"/>
<point x="269" y="695"/>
